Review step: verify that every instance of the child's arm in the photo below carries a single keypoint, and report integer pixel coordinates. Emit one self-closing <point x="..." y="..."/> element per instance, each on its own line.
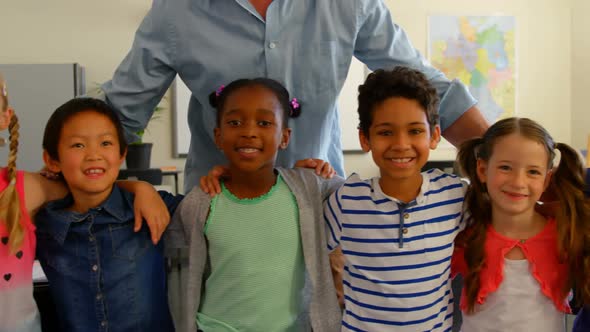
<point x="337" y="267"/>
<point x="40" y="190"/>
<point x="333" y="232"/>
<point x="210" y="182"/>
<point x="148" y="205"/>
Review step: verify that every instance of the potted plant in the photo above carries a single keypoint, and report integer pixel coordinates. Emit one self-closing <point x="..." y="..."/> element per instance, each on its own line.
<point x="139" y="152"/>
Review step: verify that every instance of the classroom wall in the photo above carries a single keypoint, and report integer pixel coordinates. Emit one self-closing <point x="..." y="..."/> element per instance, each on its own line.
<point x="98" y="34"/>
<point x="580" y="73"/>
<point x="544" y="64"/>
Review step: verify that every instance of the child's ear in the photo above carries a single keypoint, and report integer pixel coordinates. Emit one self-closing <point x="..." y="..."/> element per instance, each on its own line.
<point x="364" y="141"/>
<point x="123" y="156"/>
<point x="547" y="179"/>
<point x="481" y="168"/>
<point x="5" y="118"/>
<point x="217" y="137"/>
<point x="285" y="138"/>
<point x="50" y="163"/>
<point x="435" y="137"/>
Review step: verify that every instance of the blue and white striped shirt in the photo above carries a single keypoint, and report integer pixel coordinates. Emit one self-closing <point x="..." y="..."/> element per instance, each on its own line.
<point x="398" y="255"/>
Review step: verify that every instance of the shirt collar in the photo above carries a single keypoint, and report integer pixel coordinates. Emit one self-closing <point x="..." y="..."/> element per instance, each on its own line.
<point x="117" y="208"/>
<point x="378" y="193"/>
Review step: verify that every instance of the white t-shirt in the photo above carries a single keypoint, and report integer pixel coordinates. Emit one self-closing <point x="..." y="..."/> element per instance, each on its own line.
<point x="517" y="305"/>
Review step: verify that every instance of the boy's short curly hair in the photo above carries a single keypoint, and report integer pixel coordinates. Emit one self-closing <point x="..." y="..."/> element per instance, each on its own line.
<point x="398" y="82"/>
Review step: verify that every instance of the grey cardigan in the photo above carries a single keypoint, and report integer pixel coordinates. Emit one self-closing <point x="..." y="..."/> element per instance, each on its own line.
<point x="186" y="231"/>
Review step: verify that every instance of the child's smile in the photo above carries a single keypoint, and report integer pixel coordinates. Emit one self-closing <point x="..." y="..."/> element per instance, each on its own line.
<point x="89" y="156"/>
<point x="251" y="129"/>
<point x="400" y="140"/>
<point x="515" y="175"/>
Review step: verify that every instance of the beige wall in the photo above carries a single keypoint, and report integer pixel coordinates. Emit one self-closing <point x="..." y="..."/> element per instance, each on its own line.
<point x="542" y="51"/>
<point x="98" y="34"/>
<point x="580" y="72"/>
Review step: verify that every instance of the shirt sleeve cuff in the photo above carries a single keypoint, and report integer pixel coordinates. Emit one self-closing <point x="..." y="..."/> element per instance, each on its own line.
<point x="454" y="103"/>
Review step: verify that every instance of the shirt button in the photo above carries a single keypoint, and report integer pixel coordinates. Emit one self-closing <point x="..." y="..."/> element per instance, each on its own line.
<point x="272" y="45"/>
<point x="406" y="215"/>
<point x="405" y="230"/>
<point x="91" y="239"/>
<point x="103" y="323"/>
<point x="522" y="241"/>
<point x="99" y="296"/>
<point x="94" y="267"/>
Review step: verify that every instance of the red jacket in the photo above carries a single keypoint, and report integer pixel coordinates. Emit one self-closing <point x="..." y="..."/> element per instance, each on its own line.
<point x="541" y="252"/>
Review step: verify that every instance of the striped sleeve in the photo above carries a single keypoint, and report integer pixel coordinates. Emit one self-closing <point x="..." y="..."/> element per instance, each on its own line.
<point x="333" y="220"/>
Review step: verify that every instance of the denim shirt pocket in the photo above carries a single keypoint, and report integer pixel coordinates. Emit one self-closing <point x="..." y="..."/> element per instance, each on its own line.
<point x="127" y="244"/>
<point x="63" y="258"/>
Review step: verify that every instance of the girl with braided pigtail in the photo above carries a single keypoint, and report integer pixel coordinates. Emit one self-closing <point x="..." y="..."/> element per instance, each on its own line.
<point x="520" y="266"/>
<point x="17" y="232"/>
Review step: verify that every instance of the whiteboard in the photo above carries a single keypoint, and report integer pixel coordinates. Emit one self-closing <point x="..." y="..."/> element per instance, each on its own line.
<point x="347" y="106"/>
<point x="348" y="103"/>
<point x="181" y="96"/>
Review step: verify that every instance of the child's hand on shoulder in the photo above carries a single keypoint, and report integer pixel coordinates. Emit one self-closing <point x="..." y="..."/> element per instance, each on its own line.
<point x="150" y="206"/>
<point x="322" y="168"/>
<point x="210" y="183"/>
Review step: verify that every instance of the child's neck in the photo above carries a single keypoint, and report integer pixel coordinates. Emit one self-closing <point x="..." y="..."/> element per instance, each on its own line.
<point x="406" y="190"/>
<point x="251" y="184"/>
<point x="84" y="202"/>
<point x="519" y="226"/>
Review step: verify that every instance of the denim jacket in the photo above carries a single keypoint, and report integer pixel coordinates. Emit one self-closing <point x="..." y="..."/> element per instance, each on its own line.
<point x="102" y="275"/>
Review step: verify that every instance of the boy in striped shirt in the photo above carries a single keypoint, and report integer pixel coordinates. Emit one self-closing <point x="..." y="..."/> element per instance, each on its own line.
<point x="396" y="231"/>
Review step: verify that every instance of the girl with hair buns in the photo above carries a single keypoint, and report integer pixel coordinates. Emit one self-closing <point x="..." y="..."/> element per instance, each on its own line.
<point x="520" y="266"/>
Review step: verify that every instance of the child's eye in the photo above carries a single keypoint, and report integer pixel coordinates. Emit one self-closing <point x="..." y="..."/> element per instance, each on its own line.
<point x="416" y="131"/>
<point x="384" y="133"/>
<point x="77" y="145"/>
<point x="107" y="143"/>
<point x="264" y="123"/>
<point x="233" y="123"/>
<point x="534" y="172"/>
<point x="504" y="167"/>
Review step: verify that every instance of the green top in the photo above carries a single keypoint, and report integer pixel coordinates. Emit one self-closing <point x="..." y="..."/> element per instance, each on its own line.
<point x="256" y="268"/>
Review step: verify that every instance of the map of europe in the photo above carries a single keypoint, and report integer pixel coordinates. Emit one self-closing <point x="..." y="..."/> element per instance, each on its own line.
<point x="480" y="52"/>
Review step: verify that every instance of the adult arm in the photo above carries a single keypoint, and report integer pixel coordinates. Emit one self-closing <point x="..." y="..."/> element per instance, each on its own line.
<point x="141" y="80"/>
<point x="381" y="43"/>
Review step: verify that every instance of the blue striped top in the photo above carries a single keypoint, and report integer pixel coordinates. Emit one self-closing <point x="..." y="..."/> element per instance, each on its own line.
<point x="398" y="255"/>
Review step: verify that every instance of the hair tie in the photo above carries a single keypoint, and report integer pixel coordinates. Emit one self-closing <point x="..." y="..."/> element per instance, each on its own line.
<point x="219" y="90"/>
<point x="295" y="108"/>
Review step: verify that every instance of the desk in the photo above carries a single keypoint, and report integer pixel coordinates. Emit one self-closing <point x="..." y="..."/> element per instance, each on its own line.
<point x="173" y="173"/>
<point x="151" y="175"/>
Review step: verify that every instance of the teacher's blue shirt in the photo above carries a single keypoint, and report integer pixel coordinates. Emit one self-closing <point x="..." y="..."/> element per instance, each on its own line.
<point x="305" y="44"/>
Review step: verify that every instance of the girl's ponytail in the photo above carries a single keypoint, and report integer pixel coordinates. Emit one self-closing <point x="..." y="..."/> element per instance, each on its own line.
<point x="9" y="200"/>
<point x="573" y="221"/>
<point x="479" y="209"/>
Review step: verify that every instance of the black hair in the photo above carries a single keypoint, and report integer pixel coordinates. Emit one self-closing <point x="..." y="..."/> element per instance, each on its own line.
<point x="75" y="106"/>
<point x="398" y="82"/>
<point x="291" y="108"/>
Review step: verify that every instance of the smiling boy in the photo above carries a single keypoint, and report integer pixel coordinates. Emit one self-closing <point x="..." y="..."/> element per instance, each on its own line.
<point x="396" y="231"/>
